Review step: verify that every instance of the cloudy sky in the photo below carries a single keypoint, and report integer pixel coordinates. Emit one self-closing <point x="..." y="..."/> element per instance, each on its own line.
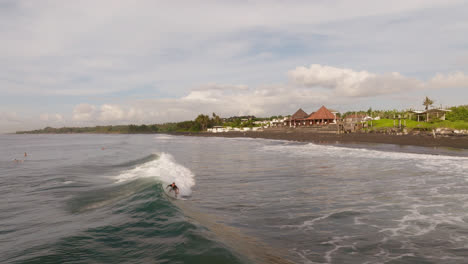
<point x="77" y="63"/>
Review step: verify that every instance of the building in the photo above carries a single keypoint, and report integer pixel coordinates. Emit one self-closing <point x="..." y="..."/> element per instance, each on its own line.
<point x="323" y="116"/>
<point x="297" y="119"/>
<point x="431" y="114"/>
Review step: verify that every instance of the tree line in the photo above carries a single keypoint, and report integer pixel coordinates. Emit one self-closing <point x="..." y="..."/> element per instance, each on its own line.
<point x="201" y="123"/>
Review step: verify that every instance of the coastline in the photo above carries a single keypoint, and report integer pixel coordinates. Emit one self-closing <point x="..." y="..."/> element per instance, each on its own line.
<point x="456" y="142"/>
<point x="422" y="140"/>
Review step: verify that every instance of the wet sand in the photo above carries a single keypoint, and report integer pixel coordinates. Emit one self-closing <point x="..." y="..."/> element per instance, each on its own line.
<point x="425" y="140"/>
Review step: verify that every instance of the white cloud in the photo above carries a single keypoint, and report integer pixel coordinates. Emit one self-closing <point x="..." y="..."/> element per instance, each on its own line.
<point x="135" y="114"/>
<point x="343" y="80"/>
<point x="451" y="80"/>
<point x="84" y="112"/>
<point x="106" y="114"/>
<point x="350" y="83"/>
<point x="111" y="113"/>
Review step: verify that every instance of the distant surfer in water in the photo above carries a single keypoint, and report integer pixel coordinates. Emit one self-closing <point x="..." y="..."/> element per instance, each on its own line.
<point x="173" y="188"/>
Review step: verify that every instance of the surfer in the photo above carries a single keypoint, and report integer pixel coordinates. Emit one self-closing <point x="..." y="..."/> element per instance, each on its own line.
<point x="173" y="188"/>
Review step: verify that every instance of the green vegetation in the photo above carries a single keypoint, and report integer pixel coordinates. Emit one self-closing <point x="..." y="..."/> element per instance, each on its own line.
<point x="201" y="123"/>
<point x="458" y="113"/>
<point x="457" y="118"/>
<point x="411" y="124"/>
<point x="121" y="129"/>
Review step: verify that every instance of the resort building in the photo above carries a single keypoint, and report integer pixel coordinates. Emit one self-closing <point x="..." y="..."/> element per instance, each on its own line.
<point x="297" y="119"/>
<point x="323" y="116"/>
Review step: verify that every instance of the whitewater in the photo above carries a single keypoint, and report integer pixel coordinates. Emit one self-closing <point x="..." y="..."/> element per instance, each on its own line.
<point x="103" y="199"/>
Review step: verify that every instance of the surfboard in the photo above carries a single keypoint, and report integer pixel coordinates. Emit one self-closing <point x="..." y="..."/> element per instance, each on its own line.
<point x="173" y="196"/>
<point x="170" y="194"/>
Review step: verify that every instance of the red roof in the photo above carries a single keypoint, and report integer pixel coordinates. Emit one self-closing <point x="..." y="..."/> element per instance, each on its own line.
<point x="322" y="113"/>
<point x="300" y="114"/>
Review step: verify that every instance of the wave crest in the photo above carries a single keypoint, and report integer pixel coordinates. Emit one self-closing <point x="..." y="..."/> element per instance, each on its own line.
<point x="164" y="169"/>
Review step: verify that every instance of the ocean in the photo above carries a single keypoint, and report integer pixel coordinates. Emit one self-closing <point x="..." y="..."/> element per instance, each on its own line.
<point x="103" y="199"/>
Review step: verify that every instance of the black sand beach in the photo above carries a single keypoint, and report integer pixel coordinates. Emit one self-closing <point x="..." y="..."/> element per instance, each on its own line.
<point x="424" y="140"/>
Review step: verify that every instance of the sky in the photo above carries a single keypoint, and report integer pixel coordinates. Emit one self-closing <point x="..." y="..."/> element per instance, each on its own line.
<point x="108" y="62"/>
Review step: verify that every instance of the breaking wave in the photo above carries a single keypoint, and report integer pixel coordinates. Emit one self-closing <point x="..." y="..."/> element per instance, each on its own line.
<point x="163" y="168"/>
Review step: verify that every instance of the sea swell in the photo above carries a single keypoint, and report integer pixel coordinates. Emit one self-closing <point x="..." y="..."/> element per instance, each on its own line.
<point x="129" y="220"/>
<point x="148" y="228"/>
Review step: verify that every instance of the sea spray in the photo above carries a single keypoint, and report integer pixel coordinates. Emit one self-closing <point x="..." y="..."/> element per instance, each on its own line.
<point x="164" y="169"/>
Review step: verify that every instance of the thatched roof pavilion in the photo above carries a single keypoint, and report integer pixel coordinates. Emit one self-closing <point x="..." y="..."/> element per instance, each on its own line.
<point x="298" y="118"/>
<point x="300" y="114"/>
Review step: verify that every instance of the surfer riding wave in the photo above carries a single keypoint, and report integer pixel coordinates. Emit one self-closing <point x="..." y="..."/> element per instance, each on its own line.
<point x="174" y="188"/>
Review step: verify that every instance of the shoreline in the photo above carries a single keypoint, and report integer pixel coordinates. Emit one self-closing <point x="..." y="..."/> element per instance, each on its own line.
<point x="455" y="142"/>
<point x="422" y="140"/>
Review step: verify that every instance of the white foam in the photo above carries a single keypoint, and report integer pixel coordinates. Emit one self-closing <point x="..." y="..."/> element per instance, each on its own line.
<point x="336" y="243"/>
<point x="439" y="163"/>
<point x="320" y="150"/>
<point x="164" y="137"/>
<point x="408" y="224"/>
<point x="164" y="169"/>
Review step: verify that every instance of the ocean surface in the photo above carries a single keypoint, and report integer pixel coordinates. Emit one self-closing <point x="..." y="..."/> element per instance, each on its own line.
<point x="102" y="199"/>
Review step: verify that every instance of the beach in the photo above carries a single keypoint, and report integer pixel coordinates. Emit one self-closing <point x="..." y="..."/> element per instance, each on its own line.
<point x="302" y="135"/>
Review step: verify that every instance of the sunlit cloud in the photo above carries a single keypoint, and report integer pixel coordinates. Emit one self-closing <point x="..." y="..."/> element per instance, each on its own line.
<point x="347" y="82"/>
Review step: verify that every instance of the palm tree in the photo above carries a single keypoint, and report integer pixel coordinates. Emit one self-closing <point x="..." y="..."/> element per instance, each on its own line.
<point x="203" y="121"/>
<point x="428" y="102"/>
<point x="216" y="120"/>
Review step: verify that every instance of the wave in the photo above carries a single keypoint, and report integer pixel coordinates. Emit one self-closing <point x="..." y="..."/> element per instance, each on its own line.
<point x="164" y="137"/>
<point x="130" y="222"/>
<point x="439" y="163"/>
<point x="320" y="150"/>
<point x="108" y="196"/>
<point x="163" y="168"/>
<point x="136" y="162"/>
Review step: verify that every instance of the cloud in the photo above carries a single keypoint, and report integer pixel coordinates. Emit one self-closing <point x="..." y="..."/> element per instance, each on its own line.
<point x="111" y="113"/>
<point x="308" y="88"/>
<point x="147" y="61"/>
<point x="113" y="46"/>
<point x="84" y="112"/>
<point x="214" y="92"/>
<point x="10" y="117"/>
<point x="350" y="83"/>
<point x="51" y="117"/>
<point x="222" y="87"/>
<point x="451" y="80"/>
